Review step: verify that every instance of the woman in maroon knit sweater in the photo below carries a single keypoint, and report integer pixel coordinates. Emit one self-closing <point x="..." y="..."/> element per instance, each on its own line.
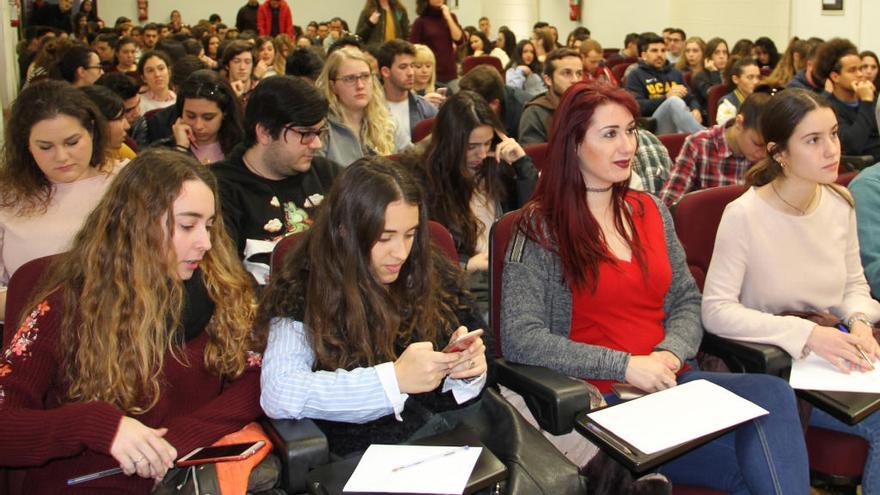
<point x="438" y="28"/>
<point x="125" y="359"/>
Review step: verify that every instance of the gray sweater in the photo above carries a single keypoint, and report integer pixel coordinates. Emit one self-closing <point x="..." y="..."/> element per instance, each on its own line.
<point x="536" y="311"/>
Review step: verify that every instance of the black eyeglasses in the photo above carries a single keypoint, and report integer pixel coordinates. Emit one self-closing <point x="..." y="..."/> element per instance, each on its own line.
<point x="307" y="136"/>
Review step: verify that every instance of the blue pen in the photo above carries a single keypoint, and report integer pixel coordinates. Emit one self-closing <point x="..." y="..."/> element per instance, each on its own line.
<point x="843" y="328"/>
<point x="94" y="476"/>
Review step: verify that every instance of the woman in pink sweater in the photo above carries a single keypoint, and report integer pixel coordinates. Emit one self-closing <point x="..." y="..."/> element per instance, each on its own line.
<point x="54" y="172"/>
<point x="128" y="358"/>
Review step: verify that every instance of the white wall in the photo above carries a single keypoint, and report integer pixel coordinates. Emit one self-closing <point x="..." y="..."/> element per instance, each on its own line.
<point x="858" y="22"/>
<point x="741" y="19"/>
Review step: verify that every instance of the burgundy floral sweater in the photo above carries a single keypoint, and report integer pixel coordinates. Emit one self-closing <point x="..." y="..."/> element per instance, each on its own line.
<point x="55" y="441"/>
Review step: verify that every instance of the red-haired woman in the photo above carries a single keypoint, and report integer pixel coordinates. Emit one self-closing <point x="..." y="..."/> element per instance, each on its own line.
<point x="618" y="303"/>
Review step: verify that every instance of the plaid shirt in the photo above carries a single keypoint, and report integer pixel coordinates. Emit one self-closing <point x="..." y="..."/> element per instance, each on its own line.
<point x="651" y="162"/>
<point x="706" y="160"/>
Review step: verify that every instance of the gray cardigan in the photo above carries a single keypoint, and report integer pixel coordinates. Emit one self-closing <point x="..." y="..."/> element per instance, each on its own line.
<point x="536" y="311"/>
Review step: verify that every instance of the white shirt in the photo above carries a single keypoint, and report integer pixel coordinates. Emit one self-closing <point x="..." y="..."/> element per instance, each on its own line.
<point x="400" y="114"/>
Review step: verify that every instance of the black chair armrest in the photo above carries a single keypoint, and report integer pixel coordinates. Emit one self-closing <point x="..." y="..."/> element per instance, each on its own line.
<point x="553" y="398"/>
<point x="748" y="357"/>
<point x="301" y="446"/>
<point x="857" y="162"/>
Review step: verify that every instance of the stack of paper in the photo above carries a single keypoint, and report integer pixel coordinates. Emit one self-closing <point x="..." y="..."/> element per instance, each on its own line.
<point x="815" y="373"/>
<point x="413" y="469"/>
<point x="676" y="415"/>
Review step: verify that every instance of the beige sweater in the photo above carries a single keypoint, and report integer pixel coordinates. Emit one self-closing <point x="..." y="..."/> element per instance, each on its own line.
<point x="767" y="262"/>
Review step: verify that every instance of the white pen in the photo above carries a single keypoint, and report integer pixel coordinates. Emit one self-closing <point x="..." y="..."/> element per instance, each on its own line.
<point x="432" y="458"/>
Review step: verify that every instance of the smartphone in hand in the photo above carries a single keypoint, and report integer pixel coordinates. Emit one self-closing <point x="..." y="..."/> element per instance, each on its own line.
<point x="462" y="343"/>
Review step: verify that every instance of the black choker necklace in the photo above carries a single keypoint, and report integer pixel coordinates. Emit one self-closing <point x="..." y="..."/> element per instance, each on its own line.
<point x="599" y="189"/>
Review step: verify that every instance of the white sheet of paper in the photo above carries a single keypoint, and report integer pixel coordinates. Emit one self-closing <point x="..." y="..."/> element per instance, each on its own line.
<point x="445" y="474"/>
<point x="676" y="415"/>
<point x="815" y="373"/>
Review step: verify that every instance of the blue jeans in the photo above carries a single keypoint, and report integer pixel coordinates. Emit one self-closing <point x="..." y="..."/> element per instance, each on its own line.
<point x="766" y="455"/>
<point x="869" y="429"/>
<point x="674" y="116"/>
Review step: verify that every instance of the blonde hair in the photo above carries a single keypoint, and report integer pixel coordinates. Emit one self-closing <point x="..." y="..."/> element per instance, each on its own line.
<point x="426" y="55"/>
<point x="124" y="300"/>
<point x="682" y="61"/>
<point x="282" y="45"/>
<point x="377" y="130"/>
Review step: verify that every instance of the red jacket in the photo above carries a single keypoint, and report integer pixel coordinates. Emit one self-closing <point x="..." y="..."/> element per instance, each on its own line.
<point x="264" y="19"/>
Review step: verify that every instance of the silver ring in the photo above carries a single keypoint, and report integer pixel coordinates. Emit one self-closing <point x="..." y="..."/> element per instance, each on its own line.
<point x="137" y="460"/>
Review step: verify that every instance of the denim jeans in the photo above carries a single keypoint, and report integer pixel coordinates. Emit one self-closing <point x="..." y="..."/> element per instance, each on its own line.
<point x="766" y="455"/>
<point x="674" y="116"/>
<point x="869" y="429"/>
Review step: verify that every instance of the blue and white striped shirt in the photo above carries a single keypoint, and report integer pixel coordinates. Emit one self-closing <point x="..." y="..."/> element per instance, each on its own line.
<point x="290" y="389"/>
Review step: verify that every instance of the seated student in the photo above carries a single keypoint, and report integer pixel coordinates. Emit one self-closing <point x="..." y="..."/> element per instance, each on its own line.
<point x="79" y="65"/>
<point x="360" y="123"/>
<point x="743" y="77"/>
<point x="158" y="125"/>
<point x="660" y="90"/>
<point x="208" y="125"/>
<point x="524" y="70"/>
<point x="154" y="69"/>
<point x="594" y="63"/>
<point x="125" y="56"/>
<point x="865" y="189"/>
<point x="852" y="97"/>
<point x="358" y="313"/>
<point x="138" y="348"/>
<point x="506" y="101"/>
<point x="473" y="173"/>
<point x="720" y="155"/>
<point x="790" y="244"/>
<point x="305" y="63"/>
<point x="395" y="60"/>
<point x="126" y="87"/>
<point x="238" y="64"/>
<point x="271" y="183"/>
<point x="805" y="78"/>
<point x="426" y="75"/>
<point x="692" y="58"/>
<point x="715" y="59"/>
<point x="265" y="59"/>
<point x="562" y="68"/>
<point x="54" y="172"/>
<point x="112" y="108"/>
<point x="596" y="286"/>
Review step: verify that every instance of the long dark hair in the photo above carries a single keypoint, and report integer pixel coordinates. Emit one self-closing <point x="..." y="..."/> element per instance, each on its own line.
<point x="509" y="40"/>
<point x="449" y="183"/>
<point x="209" y="85"/>
<point x="351" y="318"/>
<point x="487" y="45"/>
<point x="770" y="49"/>
<point x="24" y="186"/>
<point x="557" y="216"/>
<point x="516" y="59"/>
<point x="781" y="116"/>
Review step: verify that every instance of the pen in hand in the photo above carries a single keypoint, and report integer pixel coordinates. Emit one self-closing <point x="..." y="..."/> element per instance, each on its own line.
<point x="843" y="328"/>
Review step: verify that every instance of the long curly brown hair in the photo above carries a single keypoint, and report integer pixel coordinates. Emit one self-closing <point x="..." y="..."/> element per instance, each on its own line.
<point x="351" y="318"/>
<point x="124" y="298"/>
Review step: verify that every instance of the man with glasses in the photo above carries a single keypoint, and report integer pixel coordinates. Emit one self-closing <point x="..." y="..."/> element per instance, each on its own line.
<point x="674" y="39"/>
<point x="271" y="183"/>
<point x="128" y="89"/>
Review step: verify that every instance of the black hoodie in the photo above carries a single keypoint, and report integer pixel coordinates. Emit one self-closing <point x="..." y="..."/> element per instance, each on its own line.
<point x="649" y="85"/>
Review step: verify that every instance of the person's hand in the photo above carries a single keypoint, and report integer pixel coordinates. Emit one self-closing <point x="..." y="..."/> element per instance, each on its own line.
<point x="260" y="69"/>
<point x="182" y="133"/>
<point x="420" y="368"/>
<point x="698" y="116"/>
<point x="526" y="70"/>
<point x="679" y="90"/>
<point x="649" y="374"/>
<point x="709" y="65"/>
<point x="444" y="9"/>
<point x="837" y="348"/>
<point x="210" y="62"/>
<point x="473" y="359"/>
<point x="238" y="87"/>
<point x="508" y="150"/>
<point x="864" y="90"/>
<point x="478" y="263"/>
<point x="142" y="450"/>
<point x="435" y="99"/>
<point x="868" y="343"/>
<point x="374" y="17"/>
<point x="669" y="359"/>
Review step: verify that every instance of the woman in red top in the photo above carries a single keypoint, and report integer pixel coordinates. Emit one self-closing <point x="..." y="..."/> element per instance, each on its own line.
<point x="125" y="359"/>
<point x="596" y="285"/>
<point x="437" y="27"/>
